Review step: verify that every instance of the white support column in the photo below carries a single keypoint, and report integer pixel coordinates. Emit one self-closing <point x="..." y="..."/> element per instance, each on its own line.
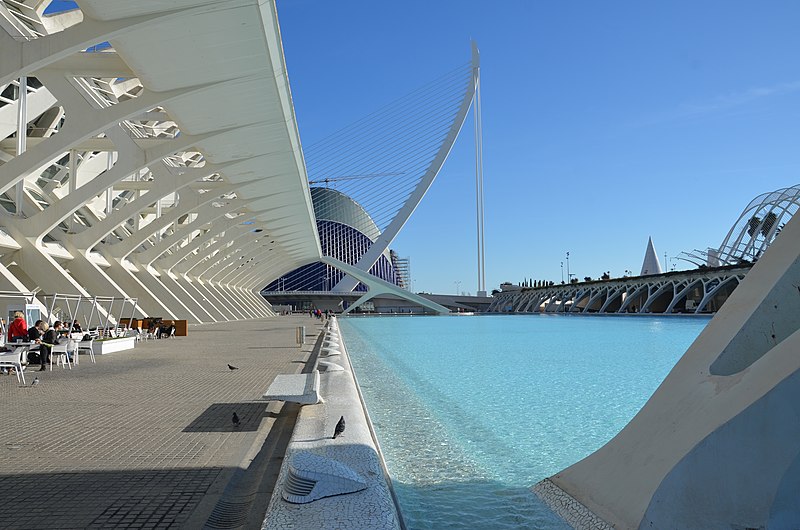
<point x="231" y="306"/>
<point x="22" y="136"/>
<point x="476" y="110"/>
<point x="150" y="301"/>
<point x="165" y="295"/>
<point x="88" y="273"/>
<point x="109" y="190"/>
<point x="219" y="305"/>
<point x="187" y="298"/>
<point x="244" y="303"/>
<point x="191" y="285"/>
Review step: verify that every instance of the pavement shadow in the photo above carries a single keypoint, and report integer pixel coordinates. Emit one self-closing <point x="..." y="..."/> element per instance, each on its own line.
<point x="145" y="498"/>
<point x="219" y="417"/>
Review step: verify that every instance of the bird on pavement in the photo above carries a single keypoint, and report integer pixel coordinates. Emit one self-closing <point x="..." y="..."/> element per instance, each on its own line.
<point x="35" y="381"/>
<point x="232" y="367"/>
<point x="339" y="428"/>
<point x="235" y="419"/>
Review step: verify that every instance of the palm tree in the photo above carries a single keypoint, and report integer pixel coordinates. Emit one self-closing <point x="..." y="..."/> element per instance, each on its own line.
<point x="753" y="224"/>
<point x="769" y="221"/>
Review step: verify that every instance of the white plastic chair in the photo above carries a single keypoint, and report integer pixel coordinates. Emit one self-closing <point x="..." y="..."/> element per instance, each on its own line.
<point x="63" y="357"/>
<point x="14" y="359"/>
<point x="86" y="346"/>
<point x="72" y="350"/>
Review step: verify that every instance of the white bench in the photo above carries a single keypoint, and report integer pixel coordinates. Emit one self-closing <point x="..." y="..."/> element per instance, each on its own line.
<point x="295" y="388"/>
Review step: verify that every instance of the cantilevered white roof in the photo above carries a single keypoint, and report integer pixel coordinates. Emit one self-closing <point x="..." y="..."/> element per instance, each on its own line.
<point x="234" y="49"/>
<point x="161" y="158"/>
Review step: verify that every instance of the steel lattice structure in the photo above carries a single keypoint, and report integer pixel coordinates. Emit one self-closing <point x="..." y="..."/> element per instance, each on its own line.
<point x="753" y="232"/>
<point x="142" y="155"/>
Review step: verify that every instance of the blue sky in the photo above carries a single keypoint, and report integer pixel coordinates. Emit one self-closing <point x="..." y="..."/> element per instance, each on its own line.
<point x="604" y="122"/>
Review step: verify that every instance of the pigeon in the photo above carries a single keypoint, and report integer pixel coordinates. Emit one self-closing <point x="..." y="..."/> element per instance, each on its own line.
<point x="232" y="367"/>
<point x="339" y="428"/>
<point x="235" y="419"/>
<point x="35" y="381"/>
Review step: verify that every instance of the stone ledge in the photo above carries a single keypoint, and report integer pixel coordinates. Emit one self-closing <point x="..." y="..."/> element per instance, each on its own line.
<point x="568" y="508"/>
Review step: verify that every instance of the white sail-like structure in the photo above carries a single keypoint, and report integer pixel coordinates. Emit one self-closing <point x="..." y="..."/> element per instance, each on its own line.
<point x="650" y="265"/>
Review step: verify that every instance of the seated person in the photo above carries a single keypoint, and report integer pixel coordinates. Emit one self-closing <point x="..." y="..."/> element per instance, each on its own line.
<point x="167" y="330"/>
<point x="35" y="336"/>
<point x="18" y="329"/>
<point x="154" y="328"/>
<point x="35" y="333"/>
<point x="51" y="337"/>
<point x="76" y="327"/>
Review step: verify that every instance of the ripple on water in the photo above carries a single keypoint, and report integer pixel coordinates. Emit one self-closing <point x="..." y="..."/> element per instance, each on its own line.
<point x="471" y="412"/>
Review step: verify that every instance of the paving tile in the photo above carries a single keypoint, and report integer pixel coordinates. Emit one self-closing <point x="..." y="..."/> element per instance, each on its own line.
<point x="140" y="437"/>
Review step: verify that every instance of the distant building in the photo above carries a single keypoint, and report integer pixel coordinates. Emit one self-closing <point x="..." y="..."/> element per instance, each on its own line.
<point x="402" y="268"/>
<point x="346" y="232"/>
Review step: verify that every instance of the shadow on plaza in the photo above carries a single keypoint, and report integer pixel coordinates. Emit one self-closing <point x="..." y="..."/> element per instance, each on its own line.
<point x="147" y="498"/>
<point x="219" y="417"/>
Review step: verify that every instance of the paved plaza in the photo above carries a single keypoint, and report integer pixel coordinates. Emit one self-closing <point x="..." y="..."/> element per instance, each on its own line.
<point x="144" y="438"/>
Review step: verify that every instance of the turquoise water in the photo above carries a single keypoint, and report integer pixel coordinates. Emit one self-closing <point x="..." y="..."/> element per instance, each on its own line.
<point x="471" y="411"/>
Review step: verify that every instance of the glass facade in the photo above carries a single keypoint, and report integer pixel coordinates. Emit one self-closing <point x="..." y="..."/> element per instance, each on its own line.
<point x="339" y="241"/>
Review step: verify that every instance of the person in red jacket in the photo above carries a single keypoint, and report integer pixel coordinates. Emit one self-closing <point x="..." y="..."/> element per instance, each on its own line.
<point x="18" y="329"/>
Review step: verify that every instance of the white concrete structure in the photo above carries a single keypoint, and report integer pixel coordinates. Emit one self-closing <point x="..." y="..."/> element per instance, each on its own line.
<point x="159" y="157"/>
<point x="696" y="291"/>
<point x="650" y="264"/>
<point x="418" y="187"/>
<point x="718" y="444"/>
<point x="761" y="221"/>
<point x="354" y="458"/>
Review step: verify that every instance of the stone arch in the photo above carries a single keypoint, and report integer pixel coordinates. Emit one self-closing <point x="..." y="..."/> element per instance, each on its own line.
<point x="715" y="297"/>
<point x="687" y="294"/>
<point x="659" y="300"/>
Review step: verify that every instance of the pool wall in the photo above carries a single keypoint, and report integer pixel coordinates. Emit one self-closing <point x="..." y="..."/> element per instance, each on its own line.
<point x="370" y="508"/>
<point x="718" y="443"/>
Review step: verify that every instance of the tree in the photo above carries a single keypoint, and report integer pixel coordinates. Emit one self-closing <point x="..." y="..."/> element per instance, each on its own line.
<point x="769" y="221"/>
<point x="752" y="225"/>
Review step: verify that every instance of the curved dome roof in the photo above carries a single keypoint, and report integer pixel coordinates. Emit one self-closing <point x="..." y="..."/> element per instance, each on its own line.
<point x="332" y="205"/>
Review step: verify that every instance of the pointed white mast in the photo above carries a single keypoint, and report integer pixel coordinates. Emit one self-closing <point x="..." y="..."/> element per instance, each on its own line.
<point x="476" y="110"/>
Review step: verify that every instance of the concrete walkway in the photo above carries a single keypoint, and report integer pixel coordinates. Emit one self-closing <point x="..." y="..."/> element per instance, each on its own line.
<point x="144" y="438"/>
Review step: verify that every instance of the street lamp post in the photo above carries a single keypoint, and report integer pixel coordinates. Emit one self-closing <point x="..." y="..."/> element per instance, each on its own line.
<point x="569" y="276"/>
